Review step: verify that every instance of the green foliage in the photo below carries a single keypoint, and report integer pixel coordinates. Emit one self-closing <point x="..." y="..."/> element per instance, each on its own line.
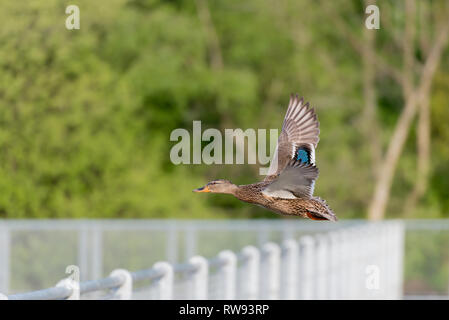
<point x="86" y="115"/>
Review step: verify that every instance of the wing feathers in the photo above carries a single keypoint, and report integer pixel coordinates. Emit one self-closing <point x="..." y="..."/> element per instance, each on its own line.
<point x="298" y="119"/>
<point x="300" y="127"/>
<point x="297" y="178"/>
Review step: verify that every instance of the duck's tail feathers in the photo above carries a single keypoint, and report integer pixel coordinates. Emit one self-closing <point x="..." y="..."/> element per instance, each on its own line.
<point x="327" y="215"/>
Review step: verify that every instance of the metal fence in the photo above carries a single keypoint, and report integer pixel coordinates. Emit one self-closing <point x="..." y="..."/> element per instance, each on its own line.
<point x="352" y="260"/>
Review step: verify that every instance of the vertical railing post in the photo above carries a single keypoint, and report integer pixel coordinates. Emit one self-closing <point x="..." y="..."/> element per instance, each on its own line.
<point x="97" y="253"/>
<point x="83" y="252"/>
<point x="199" y="277"/>
<point x="172" y="244"/>
<point x="164" y="285"/>
<point x="360" y="251"/>
<point x="371" y="264"/>
<point x="250" y="273"/>
<point x="378" y="247"/>
<point x="396" y="234"/>
<point x="401" y="250"/>
<point x="383" y="257"/>
<point x="345" y="256"/>
<point x="270" y="275"/>
<point x="321" y="264"/>
<point x="390" y="260"/>
<point x="348" y="261"/>
<point x="352" y="263"/>
<point x="334" y="279"/>
<point x="263" y="235"/>
<point x="4" y="258"/>
<point x="72" y="285"/>
<point x="125" y="291"/>
<point x="190" y="242"/>
<point x="363" y="249"/>
<point x="289" y="269"/>
<point x="306" y="268"/>
<point x="227" y="274"/>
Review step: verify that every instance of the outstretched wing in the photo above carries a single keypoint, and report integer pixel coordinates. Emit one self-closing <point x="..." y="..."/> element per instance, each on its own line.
<point x="297" y="180"/>
<point x="298" y="139"/>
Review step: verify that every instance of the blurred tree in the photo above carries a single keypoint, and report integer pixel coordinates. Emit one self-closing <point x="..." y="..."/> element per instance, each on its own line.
<point x="413" y="96"/>
<point x="86" y="114"/>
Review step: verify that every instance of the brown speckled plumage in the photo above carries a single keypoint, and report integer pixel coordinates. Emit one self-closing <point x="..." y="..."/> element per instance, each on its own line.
<point x="288" y="187"/>
<point x="314" y="208"/>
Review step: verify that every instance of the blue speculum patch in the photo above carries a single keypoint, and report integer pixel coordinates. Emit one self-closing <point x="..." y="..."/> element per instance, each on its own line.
<point x="303" y="155"/>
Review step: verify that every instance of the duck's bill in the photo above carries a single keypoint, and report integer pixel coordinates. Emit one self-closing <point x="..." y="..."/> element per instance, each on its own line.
<point x="203" y="189"/>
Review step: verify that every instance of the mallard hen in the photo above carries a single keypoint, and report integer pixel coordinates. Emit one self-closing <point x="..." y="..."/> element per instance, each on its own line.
<point x="288" y="187"/>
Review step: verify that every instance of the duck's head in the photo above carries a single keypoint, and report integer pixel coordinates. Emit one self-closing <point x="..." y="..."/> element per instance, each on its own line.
<point x="218" y="186"/>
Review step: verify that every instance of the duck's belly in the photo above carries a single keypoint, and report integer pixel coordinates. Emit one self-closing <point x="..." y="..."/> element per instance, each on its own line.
<point x="291" y="207"/>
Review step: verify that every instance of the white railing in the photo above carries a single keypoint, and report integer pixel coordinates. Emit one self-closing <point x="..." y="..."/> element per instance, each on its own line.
<point x="363" y="261"/>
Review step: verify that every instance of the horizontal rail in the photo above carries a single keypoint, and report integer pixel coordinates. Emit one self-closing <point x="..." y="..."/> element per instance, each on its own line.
<point x="185" y="268"/>
<point x="105" y="283"/>
<point x="164" y="225"/>
<point x="201" y="225"/>
<point x="44" y="294"/>
<point x="147" y="274"/>
<point x="216" y="262"/>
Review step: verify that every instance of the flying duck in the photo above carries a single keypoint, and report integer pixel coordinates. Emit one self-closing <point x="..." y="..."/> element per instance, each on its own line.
<point x="288" y="187"/>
